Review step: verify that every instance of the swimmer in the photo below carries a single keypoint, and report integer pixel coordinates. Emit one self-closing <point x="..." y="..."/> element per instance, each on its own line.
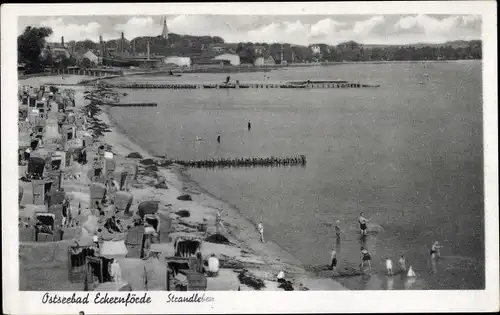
<point x="362" y="223"/>
<point x="435" y="250"/>
<point x="388" y="266"/>
<point x="365" y="256"/>
<point x="338" y="231"/>
<point x="402" y="263"/>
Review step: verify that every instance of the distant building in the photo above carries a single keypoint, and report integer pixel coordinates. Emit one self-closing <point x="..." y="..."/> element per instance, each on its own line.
<point x="259" y="50"/>
<point x="315" y="49"/>
<point x="218" y="48"/>
<point x="259" y="62"/>
<point x="269" y="60"/>
<point x="58" y="53"/>
<point x="233" y="59"/>
<point x="179" y="61"/>
<point x="164" y="33"/>
<point x="92" y="57"/>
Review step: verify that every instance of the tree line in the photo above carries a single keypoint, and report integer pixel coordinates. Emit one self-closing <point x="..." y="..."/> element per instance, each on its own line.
<point x="33" y="42"/>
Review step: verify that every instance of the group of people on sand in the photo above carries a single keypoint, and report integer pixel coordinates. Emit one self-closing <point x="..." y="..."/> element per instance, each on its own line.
<point x="366" y="256"/>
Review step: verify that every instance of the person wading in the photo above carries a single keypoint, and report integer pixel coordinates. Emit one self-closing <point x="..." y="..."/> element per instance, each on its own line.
<point x="333" y="265"/>
<point x="338" y="230"/>
<point x="402" y="264"/>
<point x="365" y="257"/>
<point x="249" y="125"/>
<point x="362" y="224"/>
<point x="218" y="138"/>
<point x="435" y="253"/>
<point x="388" y="266"/>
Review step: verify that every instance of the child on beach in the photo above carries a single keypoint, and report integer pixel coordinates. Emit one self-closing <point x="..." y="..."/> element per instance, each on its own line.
<point x="260" y="228"/>
<point x="388" y="266"/>
<point x="402" y="264"/>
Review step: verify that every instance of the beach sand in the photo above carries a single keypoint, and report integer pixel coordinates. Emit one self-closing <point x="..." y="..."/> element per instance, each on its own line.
<point x="263" y="260"/>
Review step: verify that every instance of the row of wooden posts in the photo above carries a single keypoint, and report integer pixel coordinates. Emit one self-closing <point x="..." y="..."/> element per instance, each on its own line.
<point x="237" y="86"/>
<point x="256" y="161"/>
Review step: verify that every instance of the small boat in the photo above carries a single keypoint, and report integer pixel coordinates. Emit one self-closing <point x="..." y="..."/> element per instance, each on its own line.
<point x="421" y="83"/>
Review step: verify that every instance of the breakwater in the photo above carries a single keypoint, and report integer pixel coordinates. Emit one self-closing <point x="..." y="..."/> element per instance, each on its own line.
<point x="298" y="160"/>
<point x="177" y="86"/>
<point x="133" y="105"/>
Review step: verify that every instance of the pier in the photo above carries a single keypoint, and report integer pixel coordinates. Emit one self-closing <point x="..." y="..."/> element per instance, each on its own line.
<point x="133" y="105"/>
<point x="179" y="86"/>
<point x="299" y="160"/>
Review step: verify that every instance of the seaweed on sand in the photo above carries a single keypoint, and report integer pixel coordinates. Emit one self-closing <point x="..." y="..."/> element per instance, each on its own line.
<point x="185" y="197"/>
<point x="286" y="285"/>
<point x="183" y="213"/>
<point x="148" y="162"/>
<point x="134" y="155"/>
<point x="217" y="239"/>
<point x="249" y="279"/>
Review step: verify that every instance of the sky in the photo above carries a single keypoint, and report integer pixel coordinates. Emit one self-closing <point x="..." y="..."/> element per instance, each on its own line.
<point x="294" y="29"/>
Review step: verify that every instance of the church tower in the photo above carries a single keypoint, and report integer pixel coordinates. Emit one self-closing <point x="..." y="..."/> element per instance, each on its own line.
<point x="164" y="33"/>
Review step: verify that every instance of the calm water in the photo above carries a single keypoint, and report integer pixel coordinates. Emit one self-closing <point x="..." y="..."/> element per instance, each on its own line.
<point x="408" y="155"/>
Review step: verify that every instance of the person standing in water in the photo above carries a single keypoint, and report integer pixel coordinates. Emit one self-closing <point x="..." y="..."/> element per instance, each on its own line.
<point x="388" y="266"/>
<point x="333" y="265"/>
<point x="249" y="125"/>
<point x="260" y="227"/>
<point x="338" y="230"/>
<point x="365" y="257"/>
<point x="435" y="253"/>
<point x="402" y="264"/>
<point x="218" y="138"/>
<point x="362" y="224"/>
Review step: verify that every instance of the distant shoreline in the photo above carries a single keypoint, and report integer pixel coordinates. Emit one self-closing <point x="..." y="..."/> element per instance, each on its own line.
<point x="265" y="68"/>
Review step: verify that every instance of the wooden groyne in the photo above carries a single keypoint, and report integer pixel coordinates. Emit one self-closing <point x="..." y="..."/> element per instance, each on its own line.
<point x="133" y="105"/>
<point x="178" y="86"/>
<point x="241" y="162"/>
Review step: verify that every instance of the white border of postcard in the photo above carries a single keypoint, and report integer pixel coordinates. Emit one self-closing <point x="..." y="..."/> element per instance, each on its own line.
<point x="27" y="302"/>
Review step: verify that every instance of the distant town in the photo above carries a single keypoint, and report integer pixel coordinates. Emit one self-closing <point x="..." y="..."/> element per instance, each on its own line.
<point x="169" y="50"/>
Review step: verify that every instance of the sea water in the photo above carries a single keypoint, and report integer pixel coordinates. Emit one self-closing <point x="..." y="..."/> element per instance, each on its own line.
<point x="408" y="155"/>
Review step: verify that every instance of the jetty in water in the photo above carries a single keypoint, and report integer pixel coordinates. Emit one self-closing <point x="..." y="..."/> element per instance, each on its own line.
<point x="299" y="160"/>
<point x="288" y="85"/>
<point x="133" y="104"/>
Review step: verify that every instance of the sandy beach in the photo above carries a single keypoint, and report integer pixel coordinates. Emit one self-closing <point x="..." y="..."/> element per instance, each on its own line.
<point x="245" y="251"/>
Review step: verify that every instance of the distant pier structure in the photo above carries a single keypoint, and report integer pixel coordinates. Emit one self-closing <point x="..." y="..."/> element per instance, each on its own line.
<point x="254" y="85"/>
